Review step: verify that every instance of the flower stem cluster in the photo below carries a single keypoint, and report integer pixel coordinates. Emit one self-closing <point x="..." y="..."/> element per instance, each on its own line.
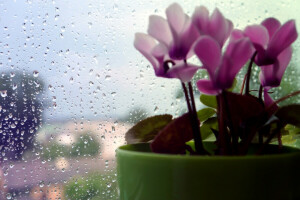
<point x="172" y="41"/>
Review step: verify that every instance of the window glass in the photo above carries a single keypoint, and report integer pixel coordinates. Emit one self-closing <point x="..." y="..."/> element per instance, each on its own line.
<point x="72" y="84"/>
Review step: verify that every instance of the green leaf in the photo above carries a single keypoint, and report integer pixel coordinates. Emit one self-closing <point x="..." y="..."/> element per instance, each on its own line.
<point x="210" y="101"/>
<point x="173" y="137"/>
<point x="211" y="123"/>
<point x="289" y="114"/>
<point x="292" y="130"/>
<point x="205" y="113"/>
<point x="147" y="129"/>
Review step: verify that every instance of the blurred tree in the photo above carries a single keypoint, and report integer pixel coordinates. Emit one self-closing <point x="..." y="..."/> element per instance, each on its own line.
<point x="135" y="115"/>
<point x="20" y="112"/>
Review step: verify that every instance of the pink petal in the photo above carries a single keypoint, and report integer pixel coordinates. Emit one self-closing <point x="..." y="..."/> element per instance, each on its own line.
<point x="258" y="34"/>
<point x="236" y="56"/>
<point x="209" y="53"/>
<point x="284" y="59"/>
<point x="283" y="38"/>
<point x="222" y="78"/>
<point x="183" y="71"/>
<point x="271" y="75"/>
<point x="144" y="44"/>
<point x="181" y="47"/>
<point x="159" y="29"/>
<point x="229" y="30"/>
<point x="271" y="25"/>
<point x="200" y="19"/>
<point x="266" y="75"/>
<point x="219" y="27"/>
<point x="159" y="52"/>
<point x="267" y="98"/>
<point x="240" y="51"/>
<point x="207" y="87"/>
<point x="236" y="34"/>
<point x="176" y="18"/>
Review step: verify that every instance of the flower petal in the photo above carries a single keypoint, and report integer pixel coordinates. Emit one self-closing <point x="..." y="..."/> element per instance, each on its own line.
<point x="237" y="54"/>
<point x="267" y="98"/>
<point x="271" y="75"/>
<point x="219" y="27"/>
<point x="144" y="44"/>
<point x="207" y="87"/>
<point x="182" y="45"/>
<point x="236" y="34"/>
<point x="176" y="18"/>
<point x="240" y="51"/>
<point x="229" y="30"/>
<point x="209" y="53"/>
<point x="266" y="75"/>
<point x="271" y="25"/>
<point x="283" y="38"/>
<point x="258" y="34"/>
<point x="183" y="71"/>
<point x="200" y="19"/>
<point x="159" y="29"/>
<point x="284" y="59"/>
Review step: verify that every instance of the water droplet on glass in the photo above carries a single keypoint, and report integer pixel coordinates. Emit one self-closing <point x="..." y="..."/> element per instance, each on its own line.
<point x="8" y="196"/>
<point x="14" y="86"/>
<point x="3" y="93"/>
<point x="56" y="17"/>
<point x="42" y="184"/>
<point x="35" y="73"/>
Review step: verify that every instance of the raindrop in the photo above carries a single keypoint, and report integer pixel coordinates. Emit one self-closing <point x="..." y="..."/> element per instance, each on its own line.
<point x="42" y="184"/>
<point x="8" y="196"/>
<point x="3" y="93"/>
<point x="35" y="73"/>
<point x="14" y="86"/>
<point x="115" y="7"/>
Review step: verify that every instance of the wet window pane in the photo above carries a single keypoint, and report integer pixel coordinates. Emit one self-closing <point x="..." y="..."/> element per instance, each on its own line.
<point x="71" y="84"/>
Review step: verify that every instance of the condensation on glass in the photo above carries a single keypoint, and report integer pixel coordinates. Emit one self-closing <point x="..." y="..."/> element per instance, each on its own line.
<point x="71" y="84"/>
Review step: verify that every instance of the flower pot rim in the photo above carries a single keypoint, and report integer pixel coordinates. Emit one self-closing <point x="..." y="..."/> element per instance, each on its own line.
<point x="129" y="151"/>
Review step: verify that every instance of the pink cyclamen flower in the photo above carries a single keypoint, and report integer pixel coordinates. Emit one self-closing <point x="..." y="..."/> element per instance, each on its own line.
<point x="222" y="69"/>
<point x="272" y="42"/>
<point x="216" y="26"/>
<point x="175" y="37"/>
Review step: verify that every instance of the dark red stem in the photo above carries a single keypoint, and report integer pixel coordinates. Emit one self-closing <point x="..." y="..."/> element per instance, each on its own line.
<point x="194" y="120"/>
<point x="249" y="73"/>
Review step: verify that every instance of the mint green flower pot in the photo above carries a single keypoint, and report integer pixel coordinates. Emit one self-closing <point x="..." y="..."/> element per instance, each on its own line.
<point x="143" y="175"/>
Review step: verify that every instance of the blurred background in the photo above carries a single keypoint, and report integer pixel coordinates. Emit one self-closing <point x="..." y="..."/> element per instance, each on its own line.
<point x="72" y="84"/>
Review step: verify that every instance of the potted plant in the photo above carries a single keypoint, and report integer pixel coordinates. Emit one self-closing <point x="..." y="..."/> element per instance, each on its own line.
<point x="172" y="161"/>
